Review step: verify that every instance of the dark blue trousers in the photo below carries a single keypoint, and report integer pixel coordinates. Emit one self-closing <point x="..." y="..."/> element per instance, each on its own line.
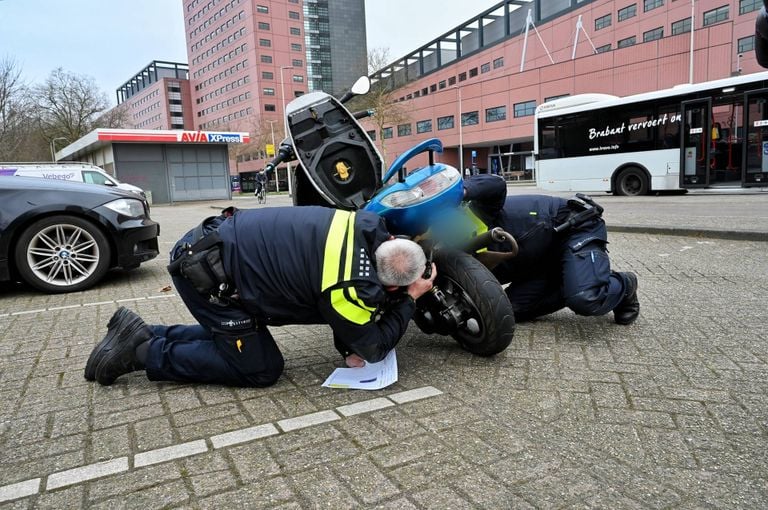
<point x="583" y="281"/>
<point x="227" y="347"/>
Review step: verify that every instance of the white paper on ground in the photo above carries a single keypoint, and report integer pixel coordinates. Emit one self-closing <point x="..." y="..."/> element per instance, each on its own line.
<point x="372" y="376"/>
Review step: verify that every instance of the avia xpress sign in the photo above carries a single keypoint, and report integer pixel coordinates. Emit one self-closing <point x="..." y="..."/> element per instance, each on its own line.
<point x="206" y="137"/>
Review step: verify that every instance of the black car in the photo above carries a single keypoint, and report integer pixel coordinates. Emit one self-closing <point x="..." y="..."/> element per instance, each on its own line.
<point x="64" y="236"/>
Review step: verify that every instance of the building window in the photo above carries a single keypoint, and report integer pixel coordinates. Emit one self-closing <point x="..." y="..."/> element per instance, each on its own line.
<point x="716" y="15"/>
<point x="496" y="114"/>
<point x="266" y="59"/>
<point x="603" y="48"/>
<point x="652" y="35"/>
<point x="485" y="67"/>
<point x="473" y="72"/>
<point x="265" y="43"/>
<point x="746" y="44"/>
<point x="269" y="108"/>
<point x="298" y="78"/>
<point x="404" y="129"/>
<point x="445" y="123"/>
<point x="681" y="27"/>
<point x="525" y="109"/>
<point x="552" y="98"/>
<point x="746" y="6"/>
<point x="267" y="75"/>
<point x="625" y="43"/>
<point x="263" y="26"/>
<point x="424" y="126"/>
<point x="269" y="91"/>
<point x="293" y="15"/>
<point x="424" y="91"/>
<point x="452" y="80"/>
<point x="462" y="76"/>
<point x="371" y="135"/>
<point x="649" y="5"/>
<point x="470" y="118"/>
<point x="433" y="87"/>
<point x="295" y="31"/>
<point x="262" y="9"/>
<point x="298" y="93"/>
<point x="386" y="133"/>
<point x="297" y="63"/>
<point x="441" y="84"/>
<point x="295" y="47"/>
<point x="603" y="22"/>
<point x="628" y="12"/>
<point x="498" y="62"/>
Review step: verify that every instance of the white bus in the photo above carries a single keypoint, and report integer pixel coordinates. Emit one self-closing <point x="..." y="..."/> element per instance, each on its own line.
<point x="633" y="145"/>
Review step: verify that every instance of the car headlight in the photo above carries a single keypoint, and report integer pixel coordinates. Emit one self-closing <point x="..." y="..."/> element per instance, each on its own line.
<point x="426" y="189"/>
<point x="127" y="207"/>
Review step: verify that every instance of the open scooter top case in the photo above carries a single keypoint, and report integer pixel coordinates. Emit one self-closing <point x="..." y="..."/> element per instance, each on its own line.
<point x="341" y="165"/>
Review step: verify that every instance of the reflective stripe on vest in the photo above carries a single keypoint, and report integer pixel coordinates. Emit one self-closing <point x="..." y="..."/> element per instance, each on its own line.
<point x="480" y="227"/>
<point x="345" y="301"/>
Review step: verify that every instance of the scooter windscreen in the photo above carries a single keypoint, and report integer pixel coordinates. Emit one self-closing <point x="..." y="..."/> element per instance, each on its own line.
<point x="337" y="156"/>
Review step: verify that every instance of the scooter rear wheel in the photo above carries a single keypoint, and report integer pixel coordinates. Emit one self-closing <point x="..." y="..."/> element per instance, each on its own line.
<point x="491" y="325"/>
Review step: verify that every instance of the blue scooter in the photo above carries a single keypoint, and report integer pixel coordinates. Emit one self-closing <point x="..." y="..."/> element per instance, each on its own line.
<point x="340" y="167"/>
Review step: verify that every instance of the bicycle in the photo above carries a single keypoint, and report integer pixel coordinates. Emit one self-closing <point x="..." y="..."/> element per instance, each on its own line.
<point x="261" y="195"/>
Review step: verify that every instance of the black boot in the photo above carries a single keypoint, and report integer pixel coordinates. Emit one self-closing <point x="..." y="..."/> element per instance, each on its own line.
<point x="628" y="309"/>
<point x="119" y="357"/>
<point x="120" y="320"/>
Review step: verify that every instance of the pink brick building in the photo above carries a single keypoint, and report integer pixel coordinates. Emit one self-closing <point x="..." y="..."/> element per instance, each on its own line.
<point x="158" y="97"/>
<point x="639" y="46"/>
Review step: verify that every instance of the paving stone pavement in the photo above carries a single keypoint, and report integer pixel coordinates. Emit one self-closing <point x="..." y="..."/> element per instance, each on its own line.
<point x="669" y="412"/>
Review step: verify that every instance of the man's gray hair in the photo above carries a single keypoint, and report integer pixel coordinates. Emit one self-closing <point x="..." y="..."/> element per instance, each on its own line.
<point x="399" y="262"/>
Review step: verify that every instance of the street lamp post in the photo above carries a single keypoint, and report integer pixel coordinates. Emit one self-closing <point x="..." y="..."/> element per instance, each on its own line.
<point x="53" y="147"/>
<point x="690" y="66"/>
<point x="461" y="140"/>
<point x="285" y="122"/>
<point x="272" y="130"/>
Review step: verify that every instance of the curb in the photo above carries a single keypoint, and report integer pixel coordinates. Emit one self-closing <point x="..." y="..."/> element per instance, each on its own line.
<point x="691" y="232"/>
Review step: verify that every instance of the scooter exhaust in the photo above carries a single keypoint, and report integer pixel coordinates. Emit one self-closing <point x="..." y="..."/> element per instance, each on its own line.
<point x="491" y="259"/>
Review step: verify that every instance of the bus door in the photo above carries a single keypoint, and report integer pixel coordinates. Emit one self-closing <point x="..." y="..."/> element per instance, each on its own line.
<point x="756" y="137"/>
<point x="695" y="143"/>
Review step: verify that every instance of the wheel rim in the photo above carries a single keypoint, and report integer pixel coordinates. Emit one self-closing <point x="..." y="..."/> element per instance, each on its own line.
<point x="631" y="185"/>
<point x="63" y="255"/>
<point x="466" y="335"/>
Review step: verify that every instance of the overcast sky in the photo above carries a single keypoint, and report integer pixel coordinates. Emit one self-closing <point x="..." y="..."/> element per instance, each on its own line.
<point x="111" y="40"/>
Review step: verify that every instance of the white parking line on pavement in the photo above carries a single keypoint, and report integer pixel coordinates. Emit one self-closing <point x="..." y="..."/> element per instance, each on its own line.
<point x="119" y="465"/>
<point x="89" y="472"/>
<point x="98" y="303"/>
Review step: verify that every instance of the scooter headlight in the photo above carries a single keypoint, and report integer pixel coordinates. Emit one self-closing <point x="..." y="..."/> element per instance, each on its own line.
<point x="426" y="189"/>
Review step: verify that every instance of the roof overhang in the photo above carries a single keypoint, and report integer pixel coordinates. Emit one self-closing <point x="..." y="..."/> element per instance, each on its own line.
<point x="100" y="138"/>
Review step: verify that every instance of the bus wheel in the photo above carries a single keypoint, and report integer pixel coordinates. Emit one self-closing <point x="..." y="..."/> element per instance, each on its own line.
<point x="632" y="182"/>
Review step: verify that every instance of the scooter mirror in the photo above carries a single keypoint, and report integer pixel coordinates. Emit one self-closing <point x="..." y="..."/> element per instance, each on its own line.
<point x="361" y="86"/>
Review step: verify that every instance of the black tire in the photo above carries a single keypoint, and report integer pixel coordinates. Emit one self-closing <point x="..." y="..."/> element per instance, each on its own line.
<point x="632" y="182"/>
<point x="62" y="254"/>
<point x="465" y="277"/>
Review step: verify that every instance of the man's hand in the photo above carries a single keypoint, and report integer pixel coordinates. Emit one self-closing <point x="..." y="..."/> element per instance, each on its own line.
<point x="422" y="285"/>
<point x="355" y="361"/>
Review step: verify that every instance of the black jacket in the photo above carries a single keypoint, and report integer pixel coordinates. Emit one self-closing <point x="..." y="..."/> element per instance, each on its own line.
<point x="311" y="265"/>
<point x="529" y="218"/>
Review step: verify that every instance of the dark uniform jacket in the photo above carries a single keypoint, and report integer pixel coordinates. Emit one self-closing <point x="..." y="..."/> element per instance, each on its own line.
<point x="529" y="218"/>
<point x="311" y="265"/>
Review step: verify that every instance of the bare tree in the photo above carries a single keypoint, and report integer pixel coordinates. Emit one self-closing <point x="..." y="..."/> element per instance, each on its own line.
<point x="68" y="105"/>
<point x="387" y="111"/>
<point x="114" y="118"/>
<point x="15" y="112"/>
